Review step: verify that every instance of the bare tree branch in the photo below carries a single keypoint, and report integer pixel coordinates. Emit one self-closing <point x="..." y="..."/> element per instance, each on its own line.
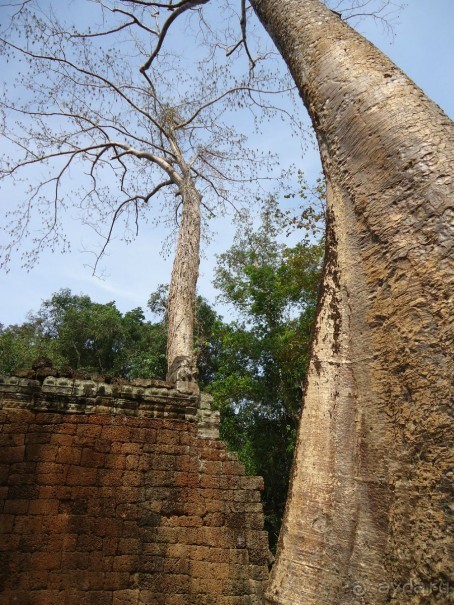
<point x="178" y="9"/>
<point x="115" y="118"/>
<point x="235" y="89"/>
<point x="243" y="40"/>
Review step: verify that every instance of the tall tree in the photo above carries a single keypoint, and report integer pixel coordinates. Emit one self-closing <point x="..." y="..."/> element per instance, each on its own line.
<point x="367" y="514"/>
<point x="90" y="103"/>
<point x="371" y="464"/>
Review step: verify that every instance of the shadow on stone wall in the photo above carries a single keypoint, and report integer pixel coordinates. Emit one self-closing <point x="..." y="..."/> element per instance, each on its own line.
<point x="123" y="495"/>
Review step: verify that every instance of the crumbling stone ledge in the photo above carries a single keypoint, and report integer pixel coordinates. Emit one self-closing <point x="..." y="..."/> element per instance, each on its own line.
<point x="142" y="398"/>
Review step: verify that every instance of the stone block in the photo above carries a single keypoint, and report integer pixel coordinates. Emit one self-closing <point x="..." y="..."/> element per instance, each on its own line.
<point x="128" y="546"/>
<point x="22" y="492"/>
<point x="4" y="472"/>
<point x="11" y="440"/>
<point x="6" y="524"/>
<point x="45" y="560"/>
<point x="43" y="507"/>
<point x="126" y="597"/>
<point x="78" y="475"/>
<point x="12" y="454"/>
<point x="92" y="458"/>
<point x="115" y="580"/>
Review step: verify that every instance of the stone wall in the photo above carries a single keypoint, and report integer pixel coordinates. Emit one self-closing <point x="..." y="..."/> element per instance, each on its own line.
<point x="123" y="495"/>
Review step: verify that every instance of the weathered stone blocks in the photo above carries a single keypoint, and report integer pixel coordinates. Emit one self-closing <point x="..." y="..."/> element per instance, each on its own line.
<point x="126" y="499"/>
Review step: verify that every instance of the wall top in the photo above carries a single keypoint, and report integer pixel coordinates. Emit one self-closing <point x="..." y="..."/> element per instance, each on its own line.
<point x="90" y="395"/>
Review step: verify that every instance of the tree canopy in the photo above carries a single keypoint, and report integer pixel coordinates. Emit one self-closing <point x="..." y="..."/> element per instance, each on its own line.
<point x="90" y="128"/>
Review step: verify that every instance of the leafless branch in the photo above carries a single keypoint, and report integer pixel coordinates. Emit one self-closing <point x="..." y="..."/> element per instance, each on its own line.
<point x="178" y="10"/>
<point x="147" y="198"/>
<point x="127" y="117"/>
<point x="159" y="161"/>
<point x="382" y="11"/>
<point x="49" y="156"/>
<point x="226" y="93"/>
<point x="243" y="40"/>
<point x="117" y="213"/>
<point x="205" y="178"/>
<point x="132" y="200"/>
<point x="107" y="32"/>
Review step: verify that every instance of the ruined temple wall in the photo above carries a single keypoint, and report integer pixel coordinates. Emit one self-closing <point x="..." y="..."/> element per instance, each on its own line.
<point x="123" y="495"/>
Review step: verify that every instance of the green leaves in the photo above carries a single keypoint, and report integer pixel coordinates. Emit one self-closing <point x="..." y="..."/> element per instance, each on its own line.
<point x="77" y="333"/>
<point x="20" y="345"/>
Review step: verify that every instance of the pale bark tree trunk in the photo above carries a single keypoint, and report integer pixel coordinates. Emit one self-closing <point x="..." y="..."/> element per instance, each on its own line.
<point x="181" y="362"/>
<point x="367" y="513"/>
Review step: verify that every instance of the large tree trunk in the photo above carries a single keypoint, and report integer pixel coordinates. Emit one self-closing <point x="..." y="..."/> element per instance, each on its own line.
<point x="181" y="361"/>
<point x="367" y="513"/>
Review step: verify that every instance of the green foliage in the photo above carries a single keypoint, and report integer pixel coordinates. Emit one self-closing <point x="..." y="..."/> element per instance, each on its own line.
<point x="78" y="334"/>
<point x="144" y="352"/>
<point x="87" y="335"/>
<point x="262" y="358"/>
<point x="21" y="344"/>
<point x="207" y="341"/>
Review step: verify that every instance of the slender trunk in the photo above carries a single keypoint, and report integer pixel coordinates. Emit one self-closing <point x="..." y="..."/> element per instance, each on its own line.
<point x="181" y="363"/>
<point x="367" y="513"/>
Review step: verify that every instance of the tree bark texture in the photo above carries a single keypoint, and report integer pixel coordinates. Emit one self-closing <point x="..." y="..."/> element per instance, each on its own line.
<point x="181" y="361"/>
<point x="367" y="513"/>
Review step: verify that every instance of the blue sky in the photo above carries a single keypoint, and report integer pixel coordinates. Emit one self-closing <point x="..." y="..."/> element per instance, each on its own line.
<point x="423" y="47"/>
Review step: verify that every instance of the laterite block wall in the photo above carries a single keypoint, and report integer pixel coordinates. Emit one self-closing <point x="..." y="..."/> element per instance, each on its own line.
<point x="123" y="495"/>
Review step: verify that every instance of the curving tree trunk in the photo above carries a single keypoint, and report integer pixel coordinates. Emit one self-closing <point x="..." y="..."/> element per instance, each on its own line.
<point x="181" y="305"/>
<point x="367" y="513"/>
